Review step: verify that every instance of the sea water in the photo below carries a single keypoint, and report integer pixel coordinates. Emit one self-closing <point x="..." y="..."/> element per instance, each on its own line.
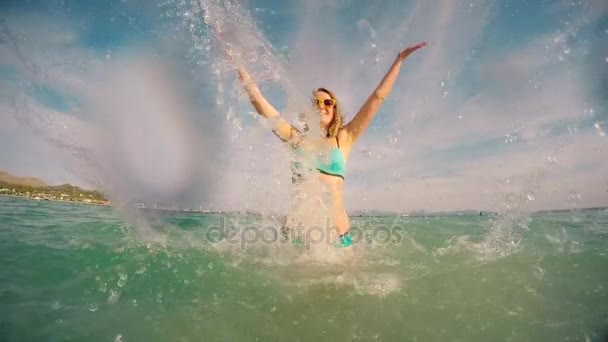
<point x="77" y="272"/>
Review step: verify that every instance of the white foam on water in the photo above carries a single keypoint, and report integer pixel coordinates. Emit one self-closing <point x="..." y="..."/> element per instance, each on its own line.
<point x="354" y="276"/>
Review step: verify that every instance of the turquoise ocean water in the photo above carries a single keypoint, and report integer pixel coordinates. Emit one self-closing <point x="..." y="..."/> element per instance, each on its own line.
<point x="81" y="273"/>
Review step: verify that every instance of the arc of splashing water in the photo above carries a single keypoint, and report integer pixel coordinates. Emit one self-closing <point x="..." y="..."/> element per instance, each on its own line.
<point x="35" y="72"/>
<point x="221" y="25"/>
<point x="81" y="153"/>
<point x="295" y="99"/>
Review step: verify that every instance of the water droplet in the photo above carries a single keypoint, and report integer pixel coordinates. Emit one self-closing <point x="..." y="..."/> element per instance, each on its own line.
<point x="122" y="278"/>
<point x="113" y="298"/>
<point x="571" y="129"/>
<point x="103" y="287"/>
<point x="574" y="197"/>
<point x="567" y="51"/>
<point x="531" y="197"/>
<point x="374" y="45"/>
<point x="93" y="307"/>
<point x="511" y="137"/>
<point x="119" y="338"/>
<point x="56" y="306"/>
<point x="134" y="302"/>
<point x="459" y="117"/>
<point x="561" y="58"/>
<point x="599" y="129"/>
<point x="59" y="321"/>
<point x="551" y="159"/>
<point x="273" y="309"/>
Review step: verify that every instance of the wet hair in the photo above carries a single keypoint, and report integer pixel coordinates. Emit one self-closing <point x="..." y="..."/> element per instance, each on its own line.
<point x="337" y="122"/>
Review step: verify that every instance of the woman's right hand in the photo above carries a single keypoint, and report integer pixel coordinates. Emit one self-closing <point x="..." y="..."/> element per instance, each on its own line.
<point x="409" y="50"/>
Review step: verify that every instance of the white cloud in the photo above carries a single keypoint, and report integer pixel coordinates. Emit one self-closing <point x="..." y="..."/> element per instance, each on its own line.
<point x="527" y="94"/>
<point x="555" y="166"/>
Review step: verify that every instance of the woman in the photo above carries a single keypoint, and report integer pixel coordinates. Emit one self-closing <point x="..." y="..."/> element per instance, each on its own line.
<point x="336" y="136"/>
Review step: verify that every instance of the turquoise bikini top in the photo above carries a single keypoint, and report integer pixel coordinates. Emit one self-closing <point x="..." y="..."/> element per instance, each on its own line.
<point x="335" y="166"/>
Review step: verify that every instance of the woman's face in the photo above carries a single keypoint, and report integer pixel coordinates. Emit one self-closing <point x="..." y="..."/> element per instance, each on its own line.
<point x="325" y="107"/>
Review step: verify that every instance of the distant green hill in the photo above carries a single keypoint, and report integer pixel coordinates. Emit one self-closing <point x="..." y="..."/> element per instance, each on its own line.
<point x="34" y="187"/>
<point x="24" y="181"/>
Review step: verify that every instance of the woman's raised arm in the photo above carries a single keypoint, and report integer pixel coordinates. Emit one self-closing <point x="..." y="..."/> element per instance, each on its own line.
<point x="365" y="115"/>
<point x="281" y="127"/>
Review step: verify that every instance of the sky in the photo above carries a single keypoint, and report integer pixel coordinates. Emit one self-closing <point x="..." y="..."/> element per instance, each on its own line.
<point x="507" y="106"/>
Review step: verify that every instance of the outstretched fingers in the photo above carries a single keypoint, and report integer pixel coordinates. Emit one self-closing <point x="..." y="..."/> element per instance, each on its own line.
<point x="410" y="49"/>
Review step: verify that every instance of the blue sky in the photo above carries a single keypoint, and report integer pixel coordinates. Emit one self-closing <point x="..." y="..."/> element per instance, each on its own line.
<point x="508" y="100"/>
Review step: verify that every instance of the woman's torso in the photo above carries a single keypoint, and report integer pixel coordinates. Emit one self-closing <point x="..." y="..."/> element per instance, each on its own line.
<point x="329" y="158"/>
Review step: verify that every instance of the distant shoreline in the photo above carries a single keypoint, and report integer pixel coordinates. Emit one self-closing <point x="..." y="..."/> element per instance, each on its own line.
<point x="55" y="200"/>
<point x="353" y="215"/>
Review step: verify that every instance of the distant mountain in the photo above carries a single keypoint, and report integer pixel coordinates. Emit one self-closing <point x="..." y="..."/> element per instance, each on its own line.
<point x="24" y="181"/>
<point x="38" y="189"/>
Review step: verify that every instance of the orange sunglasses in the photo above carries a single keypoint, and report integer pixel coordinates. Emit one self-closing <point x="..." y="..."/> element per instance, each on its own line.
<point x="326" y="102"/>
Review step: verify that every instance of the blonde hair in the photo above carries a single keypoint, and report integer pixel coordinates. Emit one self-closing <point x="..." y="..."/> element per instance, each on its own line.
<point x="337" y="122"/>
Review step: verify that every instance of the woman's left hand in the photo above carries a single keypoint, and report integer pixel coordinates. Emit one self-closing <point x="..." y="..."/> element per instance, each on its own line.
<point x="409" y="50"/>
